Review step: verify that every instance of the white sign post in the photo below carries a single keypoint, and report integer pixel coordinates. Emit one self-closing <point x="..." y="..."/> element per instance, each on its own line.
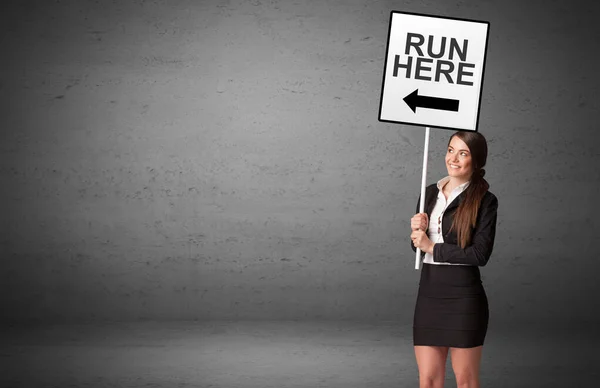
<point x="433" y="75"/>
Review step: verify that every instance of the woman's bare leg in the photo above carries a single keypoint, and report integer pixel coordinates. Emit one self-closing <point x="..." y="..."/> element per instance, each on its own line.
<point x="431" y="361"/>
<point x="465" y="363"/>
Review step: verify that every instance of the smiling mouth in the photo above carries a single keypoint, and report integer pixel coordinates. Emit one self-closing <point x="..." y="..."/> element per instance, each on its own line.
<point x="453" y="166"/>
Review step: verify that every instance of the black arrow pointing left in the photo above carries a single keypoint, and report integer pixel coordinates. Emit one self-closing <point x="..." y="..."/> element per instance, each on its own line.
<point x="414" y="101"/>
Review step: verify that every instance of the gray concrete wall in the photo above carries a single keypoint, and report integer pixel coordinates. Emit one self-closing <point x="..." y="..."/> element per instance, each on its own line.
<point x="223" y="160"/>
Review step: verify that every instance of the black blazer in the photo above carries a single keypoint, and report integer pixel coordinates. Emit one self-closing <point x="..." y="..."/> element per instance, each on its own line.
<point x="482" y="242"/>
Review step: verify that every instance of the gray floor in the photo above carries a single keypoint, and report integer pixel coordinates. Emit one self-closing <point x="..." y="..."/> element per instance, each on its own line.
<point x="275" y="354"/>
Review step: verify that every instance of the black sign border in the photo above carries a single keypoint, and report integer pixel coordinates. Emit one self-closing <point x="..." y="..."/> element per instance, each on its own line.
<point x="387" y="49"/>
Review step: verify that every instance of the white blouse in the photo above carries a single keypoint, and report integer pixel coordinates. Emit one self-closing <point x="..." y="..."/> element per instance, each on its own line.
<point x="435" y="222"/>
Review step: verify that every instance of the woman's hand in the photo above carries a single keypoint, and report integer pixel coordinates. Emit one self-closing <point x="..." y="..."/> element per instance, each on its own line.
<point x="422" y="241"/>
<point x="419" y="222"/>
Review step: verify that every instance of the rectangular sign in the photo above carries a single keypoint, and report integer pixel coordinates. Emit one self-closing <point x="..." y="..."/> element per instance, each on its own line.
<point x="433" y="73"/>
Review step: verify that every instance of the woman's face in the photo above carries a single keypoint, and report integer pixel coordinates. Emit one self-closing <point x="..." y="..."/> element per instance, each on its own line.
<point x="458" y="160"/>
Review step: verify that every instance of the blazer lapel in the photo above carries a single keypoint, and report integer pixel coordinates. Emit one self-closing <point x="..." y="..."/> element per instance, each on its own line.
<point x="431" y="199"/>
<point x="455" y="202"/>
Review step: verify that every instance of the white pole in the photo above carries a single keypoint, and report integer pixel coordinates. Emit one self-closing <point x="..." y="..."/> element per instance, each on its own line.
<point x="423" y="182"/>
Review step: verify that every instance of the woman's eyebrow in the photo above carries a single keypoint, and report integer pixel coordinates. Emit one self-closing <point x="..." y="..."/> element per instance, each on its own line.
<point x="459" y="150"/>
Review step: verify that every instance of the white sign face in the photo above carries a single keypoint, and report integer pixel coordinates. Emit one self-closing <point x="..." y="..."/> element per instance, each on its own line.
<point x="433" y="72"/>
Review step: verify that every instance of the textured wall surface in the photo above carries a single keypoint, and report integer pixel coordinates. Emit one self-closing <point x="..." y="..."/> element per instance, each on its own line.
<point x="223" y="160"/>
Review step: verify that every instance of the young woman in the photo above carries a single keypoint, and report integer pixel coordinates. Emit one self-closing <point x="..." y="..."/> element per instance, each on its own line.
<point x="451" y="312"/>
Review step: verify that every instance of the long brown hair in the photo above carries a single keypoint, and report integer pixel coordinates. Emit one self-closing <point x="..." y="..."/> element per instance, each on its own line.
<point x="465" y="217"/>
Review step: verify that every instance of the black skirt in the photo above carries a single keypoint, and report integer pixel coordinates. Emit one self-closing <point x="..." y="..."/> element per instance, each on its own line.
<point x="452" y="307"/>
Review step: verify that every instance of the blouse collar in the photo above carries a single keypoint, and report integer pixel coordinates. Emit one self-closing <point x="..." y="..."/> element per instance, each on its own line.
<point x="460" y="187"/>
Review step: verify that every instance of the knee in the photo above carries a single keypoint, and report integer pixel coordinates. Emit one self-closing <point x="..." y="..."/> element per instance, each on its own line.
<point x="466" y="378"/>
<point x="431" y="379"/>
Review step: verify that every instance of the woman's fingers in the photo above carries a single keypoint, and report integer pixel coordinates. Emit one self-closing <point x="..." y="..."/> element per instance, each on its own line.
<point x="415" y="222"/>
<point x="415" y="236"/>
<point x="419" y="221"/>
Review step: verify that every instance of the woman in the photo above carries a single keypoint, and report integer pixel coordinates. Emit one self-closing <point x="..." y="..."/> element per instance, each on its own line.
<point x="452" y="308"/>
